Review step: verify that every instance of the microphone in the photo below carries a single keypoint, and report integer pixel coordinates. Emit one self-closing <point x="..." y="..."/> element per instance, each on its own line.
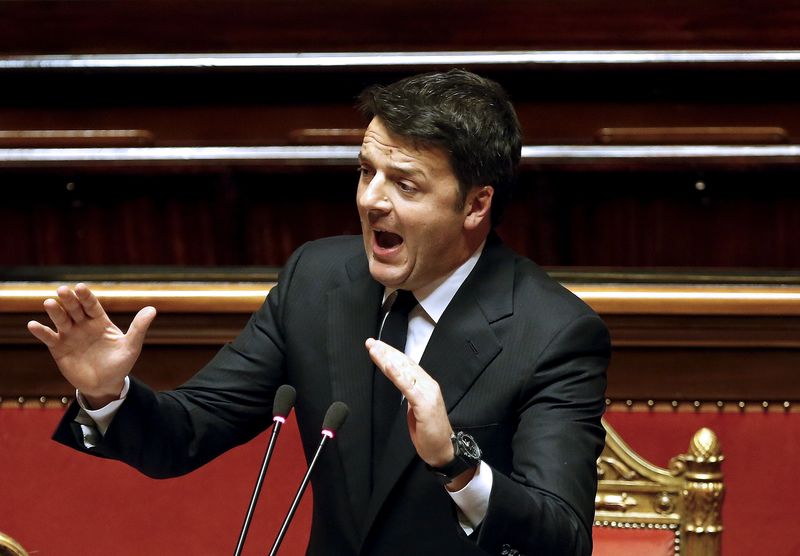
<point x="281" y="407"/>
<point x="334" y="418"/>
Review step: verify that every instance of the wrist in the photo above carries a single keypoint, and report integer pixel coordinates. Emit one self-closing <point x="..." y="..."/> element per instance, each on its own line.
<point x="460" y="468"/>
<point x="462" y="480"/>
<point x="100" y="399"/>
<point x="444" y="457"/>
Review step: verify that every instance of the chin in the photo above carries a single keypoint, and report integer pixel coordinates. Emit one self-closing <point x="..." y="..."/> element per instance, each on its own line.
<point x="386" y="276"/>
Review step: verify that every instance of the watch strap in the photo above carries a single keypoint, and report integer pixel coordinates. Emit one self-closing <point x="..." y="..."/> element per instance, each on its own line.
<point x="467" y="456"/>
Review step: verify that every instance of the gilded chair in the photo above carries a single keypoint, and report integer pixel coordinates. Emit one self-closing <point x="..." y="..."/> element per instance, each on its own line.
<point x="641" y="508"/>
<point x="10" y="547"/>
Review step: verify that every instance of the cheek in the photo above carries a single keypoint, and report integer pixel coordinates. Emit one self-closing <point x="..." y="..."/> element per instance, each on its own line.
<point x="426" y="243"/>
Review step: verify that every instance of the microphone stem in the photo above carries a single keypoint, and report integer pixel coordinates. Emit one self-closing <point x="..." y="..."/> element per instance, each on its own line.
<point x="257" y="489"/>
<point x="297" y="498"/>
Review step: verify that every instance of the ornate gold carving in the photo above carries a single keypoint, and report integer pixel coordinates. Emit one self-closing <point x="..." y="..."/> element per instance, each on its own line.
<point x="677" y="467"/>
<point x="611" y="468"/>
<point x="685" y="498"/>
<point x="704" y="490"/>
<point x="615" y="502"/>
<point x="10" y="547"/>
<point x="664" y="503"/>
<point x="705" y="446"/>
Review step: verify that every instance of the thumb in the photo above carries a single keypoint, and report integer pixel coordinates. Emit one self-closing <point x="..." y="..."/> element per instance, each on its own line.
<point x="141" y="322"/>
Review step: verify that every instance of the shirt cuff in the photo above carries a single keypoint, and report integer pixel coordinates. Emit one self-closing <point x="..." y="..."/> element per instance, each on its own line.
<point x="102" y="417"/>
<point x="473" y="499"/>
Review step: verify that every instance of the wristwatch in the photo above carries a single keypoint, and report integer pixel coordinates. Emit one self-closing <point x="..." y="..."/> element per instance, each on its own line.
<point x="467" y="456"/>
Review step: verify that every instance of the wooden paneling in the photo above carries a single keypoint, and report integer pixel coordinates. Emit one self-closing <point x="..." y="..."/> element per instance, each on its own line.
<point x="243" y="216"/>
<point x="676" y="342"/>
<point x="561" y="102"/>
<point x="247" y="25"/>
<point x="582" y="204"/>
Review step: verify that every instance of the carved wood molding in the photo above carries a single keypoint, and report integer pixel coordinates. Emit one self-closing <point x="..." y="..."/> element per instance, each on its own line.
<point x="624" y="299"/>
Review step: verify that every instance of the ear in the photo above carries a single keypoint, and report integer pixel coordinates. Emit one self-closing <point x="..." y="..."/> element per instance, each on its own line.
<point x="478" y="206"/>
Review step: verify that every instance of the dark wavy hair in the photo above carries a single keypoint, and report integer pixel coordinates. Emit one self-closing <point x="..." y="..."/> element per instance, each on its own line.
<point x="468" y="116"/>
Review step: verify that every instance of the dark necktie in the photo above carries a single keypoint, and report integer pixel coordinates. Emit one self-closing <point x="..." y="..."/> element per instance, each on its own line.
<point x="385" y="395"/>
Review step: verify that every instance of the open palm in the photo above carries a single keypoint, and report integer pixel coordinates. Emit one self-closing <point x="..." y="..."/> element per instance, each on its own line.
<point x="92" y="353"/>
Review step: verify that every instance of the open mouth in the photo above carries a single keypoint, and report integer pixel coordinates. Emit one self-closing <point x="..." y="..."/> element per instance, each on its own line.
<point x="387" y="240"/>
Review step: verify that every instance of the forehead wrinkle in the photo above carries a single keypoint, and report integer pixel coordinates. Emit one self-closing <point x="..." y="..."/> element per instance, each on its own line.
<point x="408" y="164"/>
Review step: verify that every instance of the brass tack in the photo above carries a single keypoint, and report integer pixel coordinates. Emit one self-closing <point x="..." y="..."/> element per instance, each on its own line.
<point x="608" y="401"/>
<point x="650" y="403"/>
<point x="696" y="404"/>
<point x="64" y="400"/>
<point x="43" y="400"/>
<point x="629" y="403"/>
<point x="765" y="404"/>
<point x="675" y="403"/>
<point x="21" y="400"/>
<point x="786" y="405"/>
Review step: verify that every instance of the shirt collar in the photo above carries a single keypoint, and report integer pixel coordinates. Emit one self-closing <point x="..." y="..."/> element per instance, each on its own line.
<point x="436" y="296"/>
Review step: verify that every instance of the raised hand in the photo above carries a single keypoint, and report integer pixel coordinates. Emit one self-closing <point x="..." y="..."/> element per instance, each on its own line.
<point x="92" y="353"/>
<point x="428" y="423"/>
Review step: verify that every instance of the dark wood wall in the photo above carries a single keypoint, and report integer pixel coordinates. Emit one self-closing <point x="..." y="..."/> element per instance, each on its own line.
<point x="240" y="217"/>
<point x="63" y="26"/>
<point x="102" y="75"/>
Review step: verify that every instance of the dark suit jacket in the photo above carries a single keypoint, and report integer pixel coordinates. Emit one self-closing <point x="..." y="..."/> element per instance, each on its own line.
<point x="521" y="364"/>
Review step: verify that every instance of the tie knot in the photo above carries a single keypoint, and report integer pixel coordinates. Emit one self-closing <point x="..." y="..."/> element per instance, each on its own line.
<point x="403" y="302"/>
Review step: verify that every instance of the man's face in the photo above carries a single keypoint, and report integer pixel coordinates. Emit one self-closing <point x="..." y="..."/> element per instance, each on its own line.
<point x="408" y="201"/>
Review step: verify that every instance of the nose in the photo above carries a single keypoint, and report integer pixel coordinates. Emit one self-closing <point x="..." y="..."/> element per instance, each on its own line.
<point x="372" y="194"/>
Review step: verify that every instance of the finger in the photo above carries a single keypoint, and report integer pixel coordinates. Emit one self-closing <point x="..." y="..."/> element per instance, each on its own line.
<point x="89" y="302"/>
<point x="43" y="333"/>
<point x="58" y="315"/>
<point x="384" y="355"/>
<point x="428" y="423"/>
<point x="140" y="324"/>
<point x="398" y="368"/>
<point x="70" y="302"/>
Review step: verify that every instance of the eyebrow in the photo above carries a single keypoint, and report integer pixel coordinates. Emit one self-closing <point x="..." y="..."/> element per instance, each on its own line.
<point x="412" y="171"/>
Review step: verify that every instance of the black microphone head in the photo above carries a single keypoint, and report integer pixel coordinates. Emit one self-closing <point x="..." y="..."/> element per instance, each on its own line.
<point x="284" y="401"/>
<point x="335" y="416"/>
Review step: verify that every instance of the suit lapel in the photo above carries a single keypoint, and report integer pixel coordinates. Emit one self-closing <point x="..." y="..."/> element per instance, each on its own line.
<point x="461" y="347"/>
<point x="353" y="311"/>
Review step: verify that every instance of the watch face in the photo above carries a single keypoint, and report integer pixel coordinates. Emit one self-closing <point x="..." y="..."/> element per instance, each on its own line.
<point x="467" y="447"/>
<point x="467" y="455"/>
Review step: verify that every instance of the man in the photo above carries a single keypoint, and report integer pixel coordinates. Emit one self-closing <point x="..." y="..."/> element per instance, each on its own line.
<point x="496" y="355"/>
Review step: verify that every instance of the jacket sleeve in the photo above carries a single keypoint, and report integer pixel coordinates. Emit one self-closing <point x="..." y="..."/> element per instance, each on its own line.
<point x="546" y="504"/>
<point x="227" y="403"/>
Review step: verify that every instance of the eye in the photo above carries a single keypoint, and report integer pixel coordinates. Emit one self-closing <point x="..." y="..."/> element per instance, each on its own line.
<point x="406" y="187"/>
<point x="365" y="172"/>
